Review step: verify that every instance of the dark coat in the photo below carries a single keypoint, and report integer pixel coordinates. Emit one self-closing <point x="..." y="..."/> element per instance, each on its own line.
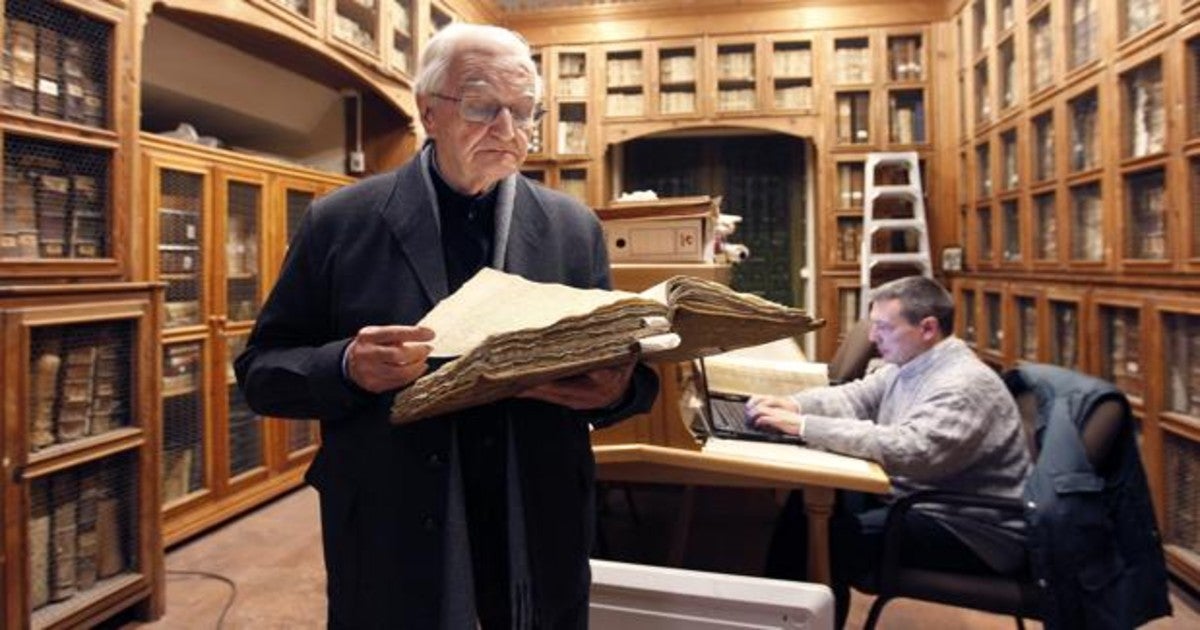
<point x="370" y="254"/>
<point x="1093" y="540"/>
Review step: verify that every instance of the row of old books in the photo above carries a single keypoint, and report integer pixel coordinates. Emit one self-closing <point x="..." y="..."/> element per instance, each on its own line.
<point x="572" y="75"/>
<point x="625" y="104"/>
<point x="1148" y="117"/>
<point x="1125" y="352"/>
<point x="1088" y="236"/>
<point x="1041" y="51"/>
<point x="737" y="100"/>
<point x="78" y="530"/>
<point x="1182" y="342"/>
<point x="853" y="118"/>
<point x="852" y="64"/>
<point x="794" y="97"/>
<point x="677" y="102"/>
<point x="1084" y="32"/>
<point x="78" y="384"/>
<point x="54" y="206"/>
<point x="907" y="120"/>
<point x="1064" y="335"/>
<point x="54" y="74"/>
<point x="572" y="137"/>
<point x="1148" y="216"/>
<point x="1009" y="178"/>
<point x="677" y="68"/>
<point x="180" y="472"/>
<point x="849" y="240"/>
<point x="348" y="29"/>
<point x="1027" y="327"/>
<point x="735" y="65"/>
<point x="905" y="59"/>
<point x="623" y="72"/>
<point x="851" y="185"/>
<point x="1046" y="235"/>
<point x="1182" y="464"/>
<point x="401" y="20"/>
<point x="792" y="62"/>
<point x="245" y="434"/>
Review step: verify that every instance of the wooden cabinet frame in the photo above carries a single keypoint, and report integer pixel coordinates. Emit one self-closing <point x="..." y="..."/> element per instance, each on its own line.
<point x="22" y="311"/>
<point x="224" y="494"/>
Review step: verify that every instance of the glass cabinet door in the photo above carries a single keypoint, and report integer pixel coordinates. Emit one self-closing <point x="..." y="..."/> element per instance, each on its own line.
<point x="1041" y="51"/>
<point x="1121" y="349"/>
<point x="1064" y="334"/>
<point x="1027" y="325"/>
<point x="184" y="441"/>
<point x="245" y="446"/>
<point x="402" y="57"/>
<point x="624" y="83"/>
<point x="1087" y="225"/>
<point x="792" y="75"/>
<point x="182" y="200"/>
<point x="79" y="381"/>
<point x="677" y="80"/>
<point x="55" y="201"/>
<point x="1045" y="237"/>
<point x="1146" y="213"/>
<point x="1144" y="109"/>
<point x="243" y="230"/>
<point x="736" y="72"/>
<point x="356" y="22"/>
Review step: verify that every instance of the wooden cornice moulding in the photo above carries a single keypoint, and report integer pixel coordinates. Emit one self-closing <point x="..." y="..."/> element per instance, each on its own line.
<point x="681" y="18"/>
<point x="257" y="31"/>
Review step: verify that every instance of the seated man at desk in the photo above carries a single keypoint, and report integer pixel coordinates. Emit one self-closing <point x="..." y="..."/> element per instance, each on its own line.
<point x="934" y="416"/>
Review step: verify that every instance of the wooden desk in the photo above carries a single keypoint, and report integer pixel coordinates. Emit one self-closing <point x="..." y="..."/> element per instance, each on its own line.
<point x="645" y="463"/>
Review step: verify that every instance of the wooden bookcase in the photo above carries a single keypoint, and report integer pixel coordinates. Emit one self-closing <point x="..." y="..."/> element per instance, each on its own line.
<point x="1103" y="209"/>
<point x="80" y="539"/>
<point x="218" y="227"/>
<point x="848" y="84"/>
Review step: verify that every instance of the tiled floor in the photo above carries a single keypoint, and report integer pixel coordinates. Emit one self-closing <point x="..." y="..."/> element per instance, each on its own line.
<point x="273" y="556"/>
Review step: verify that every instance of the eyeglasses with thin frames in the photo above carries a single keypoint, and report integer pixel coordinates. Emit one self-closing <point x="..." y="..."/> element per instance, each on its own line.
<point x="485" y="110"/>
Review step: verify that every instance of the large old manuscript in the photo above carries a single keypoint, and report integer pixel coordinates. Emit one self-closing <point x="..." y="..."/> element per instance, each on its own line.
<point x="505" y="334"/>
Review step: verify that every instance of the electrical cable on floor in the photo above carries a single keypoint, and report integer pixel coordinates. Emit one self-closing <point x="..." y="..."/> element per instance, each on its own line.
<point x="219" y="578"/>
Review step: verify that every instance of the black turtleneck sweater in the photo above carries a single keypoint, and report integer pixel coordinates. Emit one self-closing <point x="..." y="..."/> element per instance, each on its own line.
<point x="468" y="229"/>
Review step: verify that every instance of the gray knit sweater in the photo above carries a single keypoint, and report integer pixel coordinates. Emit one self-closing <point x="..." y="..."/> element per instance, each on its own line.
<point x="943" y="420"/>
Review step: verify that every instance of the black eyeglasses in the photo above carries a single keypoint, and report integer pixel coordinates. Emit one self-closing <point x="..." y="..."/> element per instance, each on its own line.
<point x="484" y="110"/>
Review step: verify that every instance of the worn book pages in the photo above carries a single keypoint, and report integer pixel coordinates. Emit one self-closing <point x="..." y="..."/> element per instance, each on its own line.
<point x="750" y="376"/>
<point x="510" y="334"/>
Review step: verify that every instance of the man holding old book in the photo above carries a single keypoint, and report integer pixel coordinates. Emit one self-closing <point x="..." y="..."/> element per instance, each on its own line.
<point x="482" y="516"/>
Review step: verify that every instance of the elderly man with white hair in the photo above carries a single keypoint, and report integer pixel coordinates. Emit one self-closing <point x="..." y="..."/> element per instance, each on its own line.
<point x="479" y="518"/>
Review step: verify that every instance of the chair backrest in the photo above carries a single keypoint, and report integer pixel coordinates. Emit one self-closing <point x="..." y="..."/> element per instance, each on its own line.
<point x="850" y="361"/>
<point x="1101" y="429"/>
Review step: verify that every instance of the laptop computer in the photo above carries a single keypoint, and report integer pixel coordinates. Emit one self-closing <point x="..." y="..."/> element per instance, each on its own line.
<point x="724" y="415"/>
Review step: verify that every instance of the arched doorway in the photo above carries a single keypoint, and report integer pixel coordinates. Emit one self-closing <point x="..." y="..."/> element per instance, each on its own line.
<point x="766" y="178"/>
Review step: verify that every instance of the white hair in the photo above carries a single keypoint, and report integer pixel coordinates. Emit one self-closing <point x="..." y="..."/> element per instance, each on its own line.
<point x="453" y="39"/>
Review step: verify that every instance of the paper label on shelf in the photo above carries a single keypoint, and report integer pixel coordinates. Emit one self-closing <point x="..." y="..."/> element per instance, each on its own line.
<point x="46" y="86"/>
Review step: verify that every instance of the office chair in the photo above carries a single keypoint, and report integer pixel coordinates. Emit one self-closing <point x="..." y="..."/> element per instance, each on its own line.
<point x="1017" y="593"/>
<point x="849" y="362"/>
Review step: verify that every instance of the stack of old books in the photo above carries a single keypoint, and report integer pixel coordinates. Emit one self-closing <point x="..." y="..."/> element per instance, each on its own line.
<point x="507" y="334"/>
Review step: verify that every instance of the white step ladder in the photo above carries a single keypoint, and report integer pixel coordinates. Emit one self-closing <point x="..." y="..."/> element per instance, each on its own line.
<point x="909" y="193"/>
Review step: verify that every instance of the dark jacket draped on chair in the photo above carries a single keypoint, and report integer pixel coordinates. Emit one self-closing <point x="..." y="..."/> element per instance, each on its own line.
<point x="1094" y="545"/>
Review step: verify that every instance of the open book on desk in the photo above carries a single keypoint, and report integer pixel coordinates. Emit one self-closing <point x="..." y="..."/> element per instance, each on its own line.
<point x="504" y="334"/>
<point x="792" y="455"/>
